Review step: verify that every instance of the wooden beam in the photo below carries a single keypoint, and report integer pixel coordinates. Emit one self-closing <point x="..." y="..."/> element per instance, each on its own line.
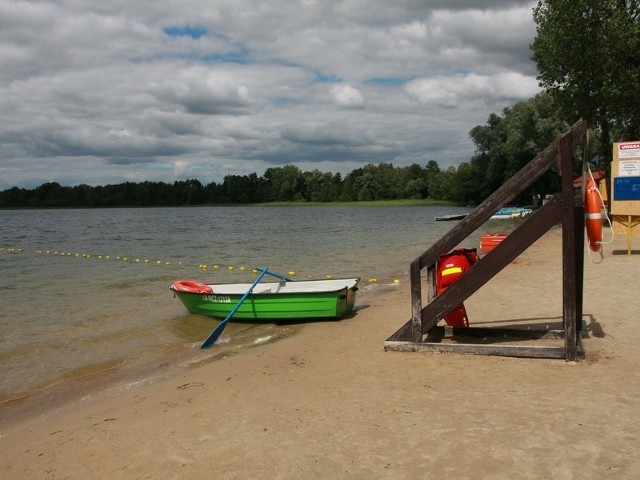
<point x="513" y="333"/>
<point x="513" y="245"/>
<point x="403" y="334"/>
<point x="532" y="351"/>
<point x="515" y="185"/>
<point x="561" y="208"/>
<point x="521" y="351"/>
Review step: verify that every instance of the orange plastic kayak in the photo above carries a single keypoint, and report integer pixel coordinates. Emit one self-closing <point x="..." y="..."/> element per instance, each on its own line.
<point x="489" y="241"/>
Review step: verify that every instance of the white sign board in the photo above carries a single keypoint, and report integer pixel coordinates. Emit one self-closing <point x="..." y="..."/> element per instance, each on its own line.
<point x="629" y="168"/>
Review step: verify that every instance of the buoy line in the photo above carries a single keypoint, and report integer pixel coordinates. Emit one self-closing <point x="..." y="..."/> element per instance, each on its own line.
<point x="202" y="267"/>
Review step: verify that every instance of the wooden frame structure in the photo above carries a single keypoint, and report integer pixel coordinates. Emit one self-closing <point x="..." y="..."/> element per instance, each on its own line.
<point x="564" y="208"/>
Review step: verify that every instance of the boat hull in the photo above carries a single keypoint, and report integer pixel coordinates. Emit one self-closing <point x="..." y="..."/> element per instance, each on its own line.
<point x="446" y="218"/>
<point x="508" y="213"/>
<point x="275" y="301"/>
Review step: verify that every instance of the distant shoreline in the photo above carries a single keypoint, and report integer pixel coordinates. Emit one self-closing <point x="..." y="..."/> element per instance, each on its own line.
<point x="372" y="203"/>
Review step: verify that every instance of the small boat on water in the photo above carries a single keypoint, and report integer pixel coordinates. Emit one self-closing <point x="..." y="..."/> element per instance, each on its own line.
<point x="451" y="217"/>
<point x="507" y="213"/>
<point x="282" y="300"/>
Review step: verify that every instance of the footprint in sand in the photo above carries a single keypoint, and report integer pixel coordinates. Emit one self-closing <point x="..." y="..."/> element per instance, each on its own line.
<point x="190" y="385"/>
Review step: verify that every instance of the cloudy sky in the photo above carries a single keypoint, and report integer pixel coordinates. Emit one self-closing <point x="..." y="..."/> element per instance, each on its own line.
<point x="120" y="90"/>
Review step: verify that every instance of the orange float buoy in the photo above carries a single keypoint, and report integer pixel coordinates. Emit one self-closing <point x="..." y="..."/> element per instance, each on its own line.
<point x="191" y="286"/>
<point x="489" y="241"/>
<point x="593" y="215"/>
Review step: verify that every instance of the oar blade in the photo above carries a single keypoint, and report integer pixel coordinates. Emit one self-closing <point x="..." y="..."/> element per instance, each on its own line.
<point x="213" y="336"/>
<point x="211" y="339"/>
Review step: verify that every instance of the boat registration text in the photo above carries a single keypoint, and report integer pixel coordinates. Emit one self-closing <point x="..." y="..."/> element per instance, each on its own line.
<point x="217" y="298"/>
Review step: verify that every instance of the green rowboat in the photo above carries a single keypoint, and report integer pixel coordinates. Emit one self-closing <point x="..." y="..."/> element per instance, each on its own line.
<point x="270" y="301"/>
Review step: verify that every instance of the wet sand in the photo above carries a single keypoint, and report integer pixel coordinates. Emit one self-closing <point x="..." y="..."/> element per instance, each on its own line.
<point x="329" y="402"/>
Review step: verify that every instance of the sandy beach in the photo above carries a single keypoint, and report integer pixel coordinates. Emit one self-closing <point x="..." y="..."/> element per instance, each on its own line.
<point x="329" y="402"/>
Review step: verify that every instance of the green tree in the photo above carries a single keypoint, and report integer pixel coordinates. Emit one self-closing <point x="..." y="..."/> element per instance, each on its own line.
<point x="188" y="192"/>
<point x="81" y="194"/>
<point x="214" y="193"/>
<point x="413" y="182"/>
<point x="349" y="186"/>
<point x="587" y="56"/>
<point x="14" y="197"/>
<point x="508" y="142"/>
<point x="530" y="127"/>
<point x="447" y="184"/>
<point x="374" y="182"/>
<point x="489" y="164"/>
<point x="51" y="194"/>
<point x="320" y="186"/>
<point x="285" y="184"/>
<point x="239" y="188"/>
<point x="432" y="170"/>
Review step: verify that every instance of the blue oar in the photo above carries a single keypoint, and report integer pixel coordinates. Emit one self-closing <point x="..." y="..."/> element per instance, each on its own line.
<point x="218" y="330"/>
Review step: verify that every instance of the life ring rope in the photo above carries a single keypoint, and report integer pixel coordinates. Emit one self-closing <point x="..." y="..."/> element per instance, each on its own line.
<point x="593" y="213"/>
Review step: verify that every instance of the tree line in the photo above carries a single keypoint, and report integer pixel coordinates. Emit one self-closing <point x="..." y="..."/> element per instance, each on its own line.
<point x="279" y="184"/>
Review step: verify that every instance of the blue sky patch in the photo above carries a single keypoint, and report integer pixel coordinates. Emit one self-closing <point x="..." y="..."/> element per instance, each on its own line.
<point x="241" y="57"/>
<point x="286" y="102"/>
<point x="327" y="78"/>
<point x="193" y="32"/>
<point x="391" y="81"/>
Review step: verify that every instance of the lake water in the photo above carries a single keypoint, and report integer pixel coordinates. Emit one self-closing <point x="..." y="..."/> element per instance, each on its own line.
<point x="85" y="292"/>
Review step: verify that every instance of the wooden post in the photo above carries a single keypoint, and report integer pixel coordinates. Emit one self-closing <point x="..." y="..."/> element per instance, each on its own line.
<point x="569" y="247"/>
<point x="416" y="302"/>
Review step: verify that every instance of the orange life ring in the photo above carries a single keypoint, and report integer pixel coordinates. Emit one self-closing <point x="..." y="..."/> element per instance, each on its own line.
<point x="191" y="286"/>
<point x="593" y="215"/>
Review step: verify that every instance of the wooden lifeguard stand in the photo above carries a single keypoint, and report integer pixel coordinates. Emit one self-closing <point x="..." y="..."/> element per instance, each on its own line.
<point x="565" y="208"/>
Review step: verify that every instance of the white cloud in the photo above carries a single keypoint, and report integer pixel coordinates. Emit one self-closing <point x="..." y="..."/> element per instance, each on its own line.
<point x="181" y="168"/>
<point x="200" y="91"/>
<point x="103" y="92"/>
<point x="460" y="90"/>
<point x="347" y="96"/>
